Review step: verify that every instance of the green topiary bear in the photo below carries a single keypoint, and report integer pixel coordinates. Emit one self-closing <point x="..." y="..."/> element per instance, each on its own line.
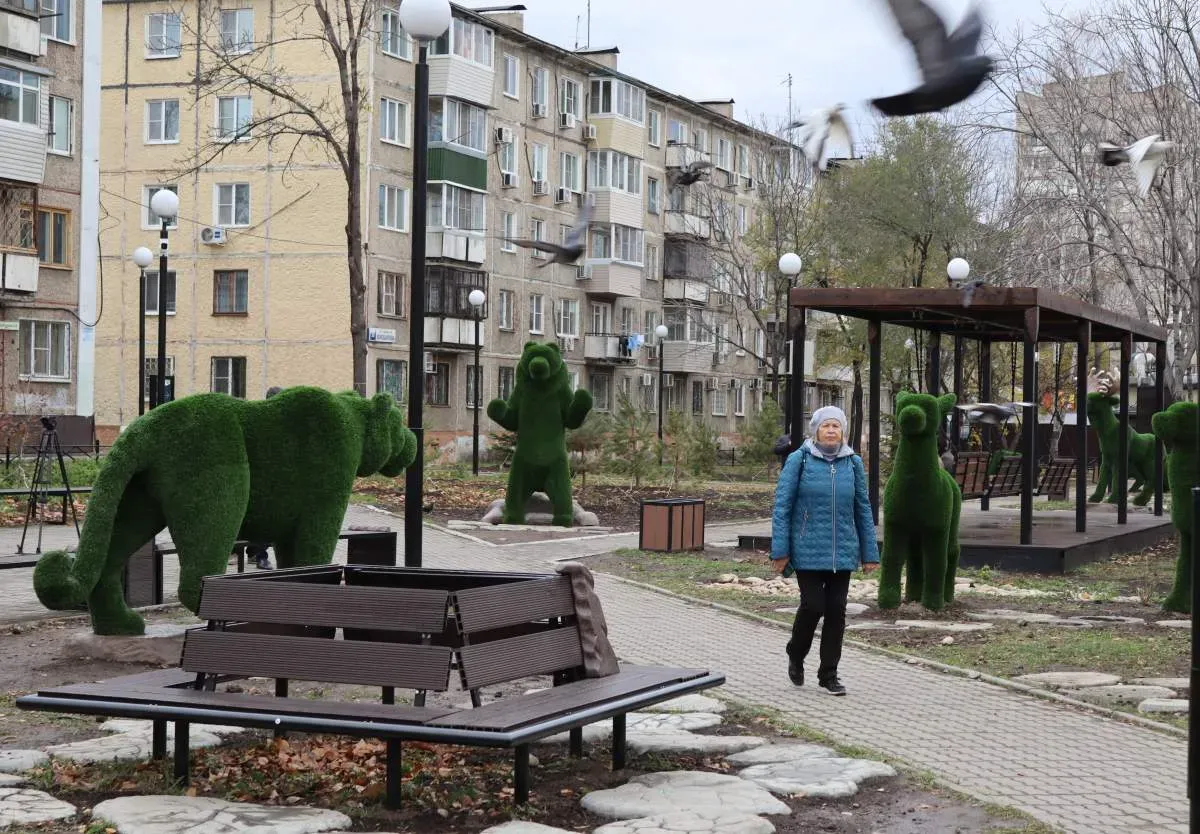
<point x="921" y="505"/>
<point x="1102" y="415"/>
<point x="213" y="469"/>
<point x="1178" y="430"/>
<point x="540" y="409"/>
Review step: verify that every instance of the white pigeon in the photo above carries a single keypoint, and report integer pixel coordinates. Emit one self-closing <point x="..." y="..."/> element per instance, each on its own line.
<point x="818" y="130"/>
<point x="1146" y="156"/>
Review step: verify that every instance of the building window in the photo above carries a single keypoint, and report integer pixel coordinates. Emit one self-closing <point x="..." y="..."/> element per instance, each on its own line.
<point x="613" y="97"/>
<point x="391" y="295"/>
<point x="392" y="40"/>
<point x="506" y="309"/>
<point x="536" y="317"/>
<point x="56" y="20"/>
<point x="512" y="76"/>
<point x="470" y="378"/>
<point x="651" y="321"/>
<point x="677" y="199"/>
<point x="697" y="396"/>
<point x="233" y="204"/>
<point x="230" y="289"/>
<point x="19" y="96"/>
<point x="568" y="97"/>
<point x="700" y="139"/>
<point x="45" y="349"/>
<point x="653" y="195"/>
<point x="618" y="243"/>
<point x="448" y="291"/>
<point x="393" y="208"/>
<point x="677" y="132"/>
<point x="654" y="127"/>
<point x="539" y="89"/>
<point x="437" y="384"/>
<point x="151" y="370"/>
<point x="506" y="155"/>
<point x="229" y="376"/>
<point x="724" y="154"/>
<point x="456" y="122"/>
<point x="152" y="220"/>
<point x="719" y="397"/>
<point x="540" y="162"/>
<point x="537" y="231"/>
<point x="237" y="31"/>
<point x="626" y="320"/>
<point x="649" y="395"/>
<point x="505" y="381"/>
<point x="233" y="118"/>
<point x="651" y="265"/>
<point x="739" y="401"/>
<point x="391" y="377"/>
<point x="152" y="292"/>
<point x="162" y="121"/>
<point x="451" y="207"/>
<point x="743" y="160"/>
<point x="393" y="121"/>
<point x="162" y="35"/>
<point x="61" y="136"/>
<point x="611" y="169"/>
<point x="53" y="237"/>
<point x="600" y="386"/>
<point x="509" y="224"/>
<point x="568" y="317"/>
<point x="568" y="168"/>
<point x="743" y="219"/>
<point x="468" y="40"/>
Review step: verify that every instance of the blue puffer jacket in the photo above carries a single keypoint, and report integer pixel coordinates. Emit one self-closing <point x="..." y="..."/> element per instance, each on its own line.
<point x="822" y="517"/>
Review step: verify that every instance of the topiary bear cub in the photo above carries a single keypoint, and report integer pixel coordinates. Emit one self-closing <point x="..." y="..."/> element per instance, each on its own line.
<point x="1177" y="429"/>
<point x="540" y="410"/>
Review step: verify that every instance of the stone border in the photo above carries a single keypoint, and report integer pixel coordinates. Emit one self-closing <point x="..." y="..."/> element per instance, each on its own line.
<point x="972" y="674"/>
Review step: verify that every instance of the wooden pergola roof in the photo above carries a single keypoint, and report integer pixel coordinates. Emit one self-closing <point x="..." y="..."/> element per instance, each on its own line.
<point x="995" y="313"/>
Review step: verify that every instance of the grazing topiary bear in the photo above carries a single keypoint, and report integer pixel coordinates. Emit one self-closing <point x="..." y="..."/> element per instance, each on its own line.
<point x="1178" y="430"/>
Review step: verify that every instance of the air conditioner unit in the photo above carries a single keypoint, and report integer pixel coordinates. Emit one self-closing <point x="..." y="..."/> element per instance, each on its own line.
<point x="538" y="110"/>
<point x="430" y="367"/>
<point x="213" y="235"/>
<point x="710" y="384"/>
<point x="540" y="188"/>
<point x="504" y="135"/>
<point x="732" y="383"/>
<point x="668" y="380"/>
<point x="748" y="182"/>
<point x="731" y="179"/>
<point x="508" y="179"/>
<point x="754" y="383"/>
<point x="647" y="380"/>
<point x="584" y="272"/>
<point x="562" y="195"/>
<point x="566" y="343"/>
<point x="589" y="133"/>
<point x="566" y="121"/>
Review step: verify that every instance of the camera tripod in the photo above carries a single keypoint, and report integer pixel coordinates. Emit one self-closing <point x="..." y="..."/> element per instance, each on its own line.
<point x="49" y="450"/>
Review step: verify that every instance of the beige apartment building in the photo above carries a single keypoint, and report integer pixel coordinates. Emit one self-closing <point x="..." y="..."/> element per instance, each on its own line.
<point x="521" y="132"/>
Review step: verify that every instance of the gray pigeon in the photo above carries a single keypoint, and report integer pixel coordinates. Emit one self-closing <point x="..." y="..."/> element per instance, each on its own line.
<point x="816" y="132"/>
<point x="1145" y="156"/>
<point x="690" y="174"/>
<point x="574" y="244"/>
<point x="968" y="287"/>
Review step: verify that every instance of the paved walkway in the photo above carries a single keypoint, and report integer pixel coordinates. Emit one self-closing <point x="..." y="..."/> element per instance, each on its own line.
<point x="1082" y="772"/>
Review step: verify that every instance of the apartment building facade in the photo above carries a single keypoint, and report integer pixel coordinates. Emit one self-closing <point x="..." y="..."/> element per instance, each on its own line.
<point x="521" y="133"/>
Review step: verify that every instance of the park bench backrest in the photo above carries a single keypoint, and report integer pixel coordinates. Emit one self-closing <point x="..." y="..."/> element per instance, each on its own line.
<point x="970" y="471"/>
<point x="1007" y="480"/>
<point x="1057" y="476"/>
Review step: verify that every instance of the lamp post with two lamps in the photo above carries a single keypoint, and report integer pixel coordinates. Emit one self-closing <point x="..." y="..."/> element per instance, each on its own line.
<point x="142" y="257"/>
<point x="790" y="265"/>
<point x="660" y="334"/>
<point x="425" y="21"/>
<point x="476" y="298"/>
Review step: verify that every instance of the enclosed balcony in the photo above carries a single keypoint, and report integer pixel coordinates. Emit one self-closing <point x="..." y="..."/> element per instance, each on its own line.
<point x="608" y="349"/>
<point x="686" y="357"/>
<point x="682" y="155"/>
<point x="614" y="279"/>
<point x="682" y="289"/>
<point x="449" y="316"/>
<point x="686" y="223"/>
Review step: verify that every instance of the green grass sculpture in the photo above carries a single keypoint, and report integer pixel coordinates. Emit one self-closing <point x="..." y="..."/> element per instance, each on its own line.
<point x="213" y="469"/>
<point x="540" y="410"/>
<point x="1178" y="429"/>
<point x="1102" y="407"/>
<point x="921" y="505"/>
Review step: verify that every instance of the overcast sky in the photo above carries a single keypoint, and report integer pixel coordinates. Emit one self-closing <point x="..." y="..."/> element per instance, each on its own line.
<point x="836" y="50"/>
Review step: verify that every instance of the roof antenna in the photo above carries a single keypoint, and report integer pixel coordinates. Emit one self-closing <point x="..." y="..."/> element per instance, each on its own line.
<point x="577" y="20"/>
<point x="589" y="24"/>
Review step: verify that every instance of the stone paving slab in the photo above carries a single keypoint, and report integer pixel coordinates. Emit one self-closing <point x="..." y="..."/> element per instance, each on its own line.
<point x="1118" y="695"/>
<point x="11" y="780"/>
<point x="524" y="827"/>
<point x="686" y="790"/>
<point x="18" y="761"/>
<point x="1068" y="680"/>
<point x="685" y="742"/>
<point x="828" y="777"/>
<point x="690" y="822"/>
<point x="25" y="805"/>
<point x="187" y="814"/>
<point x="690" y="703"/>
<point x="1164" y="706"/>
<point x="773" y="753"/>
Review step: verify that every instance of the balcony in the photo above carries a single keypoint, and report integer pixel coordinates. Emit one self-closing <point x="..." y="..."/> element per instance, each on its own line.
<point x="449" y="316"/>
<point x="446" y="333"/>
<point x="456" y="246"/>
<point x="611" y="278"/>
<point x="681" y="289"/>
<point x="681" y="156"/>
<point x="687" y="258"/>
<point x="687" y="357"/>
<point x="684" y="223"/>
<point x="607" y="348"/>
<point x="456" y="77"/>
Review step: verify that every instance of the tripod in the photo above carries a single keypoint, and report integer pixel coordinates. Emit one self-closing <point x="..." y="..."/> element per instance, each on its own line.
<point x="39" y="490"/>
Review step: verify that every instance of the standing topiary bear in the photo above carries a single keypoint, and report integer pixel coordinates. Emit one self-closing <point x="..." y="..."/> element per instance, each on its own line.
<point x="1102" y="415"/>
<point x="212" y="469"/>
<point x="540" y="409"/>
<point x="1178" y="430"/>
<point x="921" y="504"/>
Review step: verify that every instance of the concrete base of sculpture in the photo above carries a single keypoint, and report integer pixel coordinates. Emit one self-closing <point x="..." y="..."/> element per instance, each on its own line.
<point x="539" y="511"/>
<point x="161" y="644"/>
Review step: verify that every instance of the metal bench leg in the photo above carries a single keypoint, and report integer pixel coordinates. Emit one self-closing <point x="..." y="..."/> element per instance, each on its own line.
<point x="389" y="695"/>
<point x="281" y="691"/>
<point x="576" y="744"/>
<point x="394" y="772"/>
<point x="419" y="698"/>
<point x="618" y="742"/>
<point x="158" y="740"/>
<point x="181" y="752"/>
<point x="476" y="700"/>
<point x="521" y="773"/>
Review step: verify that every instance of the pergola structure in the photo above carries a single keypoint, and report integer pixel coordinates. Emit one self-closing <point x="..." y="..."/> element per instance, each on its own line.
<point x="995" y="314"/>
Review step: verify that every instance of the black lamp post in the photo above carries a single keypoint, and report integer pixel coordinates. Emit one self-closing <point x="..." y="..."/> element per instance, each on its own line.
<point x="1193" y="729"/>
<point x="165" y="204"/>
<point x="477" y="298"/>
<point x="660" y="333"/>
<point x="143" y="257"/>
<point x="790" y="265"/>
<point x="425" y="21"/>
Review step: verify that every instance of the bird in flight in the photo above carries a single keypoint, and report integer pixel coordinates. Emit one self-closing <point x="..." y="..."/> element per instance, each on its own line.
<point x="818" y="130"/>
<point x="1145" y="156"/>
<point x="572" y="246"/>
<point x="689" y="174"/>
<point x="950" y="64"/>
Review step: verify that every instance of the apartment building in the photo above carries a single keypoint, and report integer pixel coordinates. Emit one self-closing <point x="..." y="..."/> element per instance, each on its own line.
<point x="521" y="133"/>
<point x="45" y="354"/>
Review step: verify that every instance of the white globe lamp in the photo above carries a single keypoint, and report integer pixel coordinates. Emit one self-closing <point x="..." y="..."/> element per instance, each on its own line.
<point x="958" y="269"/>
<point x="790" y="264"/>
<point x="143" y="257"/>
<point x="425" y="20"/>
<point x="165" y="203"/>
<point x="477" y="298"/>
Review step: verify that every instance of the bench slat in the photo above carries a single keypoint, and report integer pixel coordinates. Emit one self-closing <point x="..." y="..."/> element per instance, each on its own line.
<point x="484" y="664"/>
<point x="398" y="609"/>
<point x="400" y="665"/>
<point x="496" y="606"/>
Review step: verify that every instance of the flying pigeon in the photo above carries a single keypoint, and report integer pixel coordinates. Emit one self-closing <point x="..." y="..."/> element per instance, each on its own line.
<point x="818" y="130"/>
<point x="951" y="68"/>
<point x="993" y="414"/>
<point x="572" y="246"/>
<point x="1145" y="156"/>
<point x="690" y="174"/>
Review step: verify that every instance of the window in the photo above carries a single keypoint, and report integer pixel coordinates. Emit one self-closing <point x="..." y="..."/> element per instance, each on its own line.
<point x="509" y="226"/>
<point x="457" y="123"/>
<point x="512" y="76"/>
<point x="19" y="96"/>
<point x="162" y="120"/>
<point x="610" y="169"/>
<point x="654" y="127"/>
<point x="233" y="118"/>
<point x="651" y="264"/>
<point x="677" y="132"/>
<point x="536" y="319"/>
<point x="568" y="97"/>
<point x="650" y="396"/>
<point x="152" y="292"/>
<point x="393" y="121"/>
<point x="724" y="154"/>
<point x="393" y="208"/>
<point x="600" y="386"/>
<point x="468" y="40"/>
<point x="151" y="370"/>
<point x="743" y="160"/>
<point x="568" y="171"/>
<point x="568" y="318"/>
<point x="540" y="162"/>
<point x="611" y="96"/>
<point x="739" y="401"/>
<point x="506" y="155"/>
<point x="233" y="204"/>
<point x="162" y="35"/>
<point x="229" y="376"/>
<point x="437" y="384"/>
<point x="237" y="30"/>
<point x="506" y="309"/>
<point x="618" y="243"/>
<point x="653" y="195"/>
<point x="537" y="231"/>
<point x="651" y="319"/>
<point x="506" y="379"/>
<point x="451" y="207"/>
<point x="539" y="89"/>
<point x="601" y="318"/>
<point x="677" y="199"/>
<point x="61" y="136"/>
<point x="53" y="237"/>
<point x="448" y="291"/>
<point x="697" y="396"/>
<point x="56" y="20"/>
<point x="390" y="299"/>
<point x="391" y="377"/>
<point x="152" y="220"/>
<point x="719" y="404"/>
<point x="626" y="321"/>
<point x="700" y="139"/>
<point x="743" y="219"/>
<point x="230" y="288"/>
<point x="392" y="40"/>
<point x="45" y="349"/>
<point x="470" y="379"/>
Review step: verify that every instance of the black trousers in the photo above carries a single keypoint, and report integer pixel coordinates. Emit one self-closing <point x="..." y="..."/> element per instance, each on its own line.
<point x="822" y="594"/>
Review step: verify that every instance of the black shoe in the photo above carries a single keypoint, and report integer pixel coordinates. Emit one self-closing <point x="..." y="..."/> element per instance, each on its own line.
<point x="796" y="673"/>
<point x="834" y="687"/>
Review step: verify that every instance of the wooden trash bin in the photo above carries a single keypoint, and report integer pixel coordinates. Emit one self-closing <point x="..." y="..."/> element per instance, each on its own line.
<point x="672" y="524"/>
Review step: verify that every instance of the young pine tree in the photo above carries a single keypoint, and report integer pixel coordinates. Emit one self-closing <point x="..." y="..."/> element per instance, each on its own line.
<point x="630" y="448"/>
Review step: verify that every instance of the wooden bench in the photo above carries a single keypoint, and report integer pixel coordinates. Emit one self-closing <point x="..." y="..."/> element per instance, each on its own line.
<point x="1006" y="482"/>
<point x="970" y="472"/>
<point x="1056" y="478"/>
<point x="401" y="628"/>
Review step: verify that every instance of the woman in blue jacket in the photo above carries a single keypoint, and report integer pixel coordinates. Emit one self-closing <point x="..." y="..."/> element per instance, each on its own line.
<point x="823" y="530"/>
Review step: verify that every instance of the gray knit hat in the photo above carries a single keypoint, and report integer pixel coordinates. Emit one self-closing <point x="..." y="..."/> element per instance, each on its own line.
<point x="828" y="412"/>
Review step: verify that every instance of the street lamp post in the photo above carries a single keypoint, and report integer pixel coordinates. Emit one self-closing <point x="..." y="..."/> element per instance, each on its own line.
<point x="660" y="333"/>
<point x="477" y="297"/>
<point x="425" y="21"/>
<point x="142" y="257"/>
<point x="790" y="265"/>
<point x="165" y="204"/>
